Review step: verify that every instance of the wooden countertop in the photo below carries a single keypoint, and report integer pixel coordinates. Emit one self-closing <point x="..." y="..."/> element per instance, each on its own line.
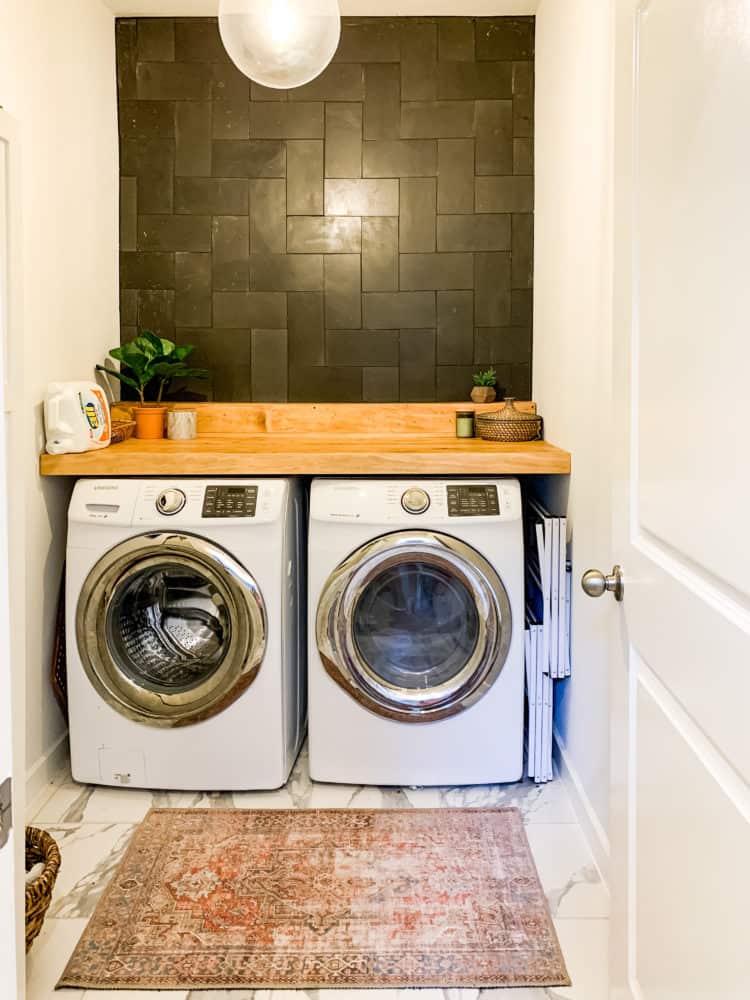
<point x="246" y="439"/>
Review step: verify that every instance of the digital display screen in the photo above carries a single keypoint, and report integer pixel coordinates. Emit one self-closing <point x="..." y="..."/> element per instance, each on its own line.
<point x="473" y="501"/>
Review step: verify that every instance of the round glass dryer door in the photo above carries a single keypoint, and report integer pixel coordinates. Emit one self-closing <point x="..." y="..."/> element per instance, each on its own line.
<point x="170" y="629"/>
<point x="415" y="625"/>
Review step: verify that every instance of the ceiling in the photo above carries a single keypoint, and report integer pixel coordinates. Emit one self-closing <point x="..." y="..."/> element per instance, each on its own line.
<point x="197" y="8"/>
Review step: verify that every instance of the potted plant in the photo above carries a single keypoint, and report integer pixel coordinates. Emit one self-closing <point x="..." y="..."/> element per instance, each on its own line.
<point x="484" y="386"/>
<point x="146" y="360"/>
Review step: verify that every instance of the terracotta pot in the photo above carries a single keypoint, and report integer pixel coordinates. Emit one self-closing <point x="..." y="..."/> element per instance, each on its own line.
<point x="483" y="393"/>
<point x="149" y="422"/>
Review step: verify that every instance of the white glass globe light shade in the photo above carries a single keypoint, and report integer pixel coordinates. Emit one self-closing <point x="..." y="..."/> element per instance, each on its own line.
<point x="280" y="43"/>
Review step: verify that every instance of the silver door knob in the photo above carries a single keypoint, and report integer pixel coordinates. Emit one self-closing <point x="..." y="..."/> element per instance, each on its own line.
<point x="595" y="583"/>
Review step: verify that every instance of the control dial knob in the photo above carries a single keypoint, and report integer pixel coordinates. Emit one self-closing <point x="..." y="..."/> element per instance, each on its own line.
<point x="170" y="501"/>
<point x="415" y="501"/>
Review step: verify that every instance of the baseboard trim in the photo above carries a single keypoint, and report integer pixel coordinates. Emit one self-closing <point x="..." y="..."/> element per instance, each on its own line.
<point x="41" y="773"/>
<point x="593" y="830"/>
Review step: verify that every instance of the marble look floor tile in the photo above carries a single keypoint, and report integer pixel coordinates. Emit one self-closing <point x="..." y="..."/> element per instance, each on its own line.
<point x="74" y="803"/>
<point x="49" y="956"/>
<point x="566" y="868"/>
<point x="90" y="854"/>
<point x="585" y="946"/>
<point x="34" y="806"/>
<point x="538" y="803"/>
<point x="402" y="994"/>
<point x="93" y="826"/>
<point x="229" y="994"/>
<point x="137" y="995"/>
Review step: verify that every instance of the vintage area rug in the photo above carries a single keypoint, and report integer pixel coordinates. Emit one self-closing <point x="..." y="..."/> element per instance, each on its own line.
<point x="323" y="898"/>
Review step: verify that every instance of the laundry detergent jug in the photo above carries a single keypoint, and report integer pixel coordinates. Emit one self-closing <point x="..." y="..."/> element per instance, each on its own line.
<point x="76" y="417"/>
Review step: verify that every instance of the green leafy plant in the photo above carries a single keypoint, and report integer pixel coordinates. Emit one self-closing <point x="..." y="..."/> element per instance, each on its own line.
<point x="149" y="358"/>
<point x="485" y="377"/>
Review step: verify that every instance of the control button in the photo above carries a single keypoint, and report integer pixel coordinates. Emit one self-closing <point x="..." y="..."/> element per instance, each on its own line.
<point x="415" y="501"/>
<point x="170" y="502"/>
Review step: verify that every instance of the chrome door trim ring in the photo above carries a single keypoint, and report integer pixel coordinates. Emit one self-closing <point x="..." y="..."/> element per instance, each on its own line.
<point x="235" y="673"/>
<point x="346" y="667"/>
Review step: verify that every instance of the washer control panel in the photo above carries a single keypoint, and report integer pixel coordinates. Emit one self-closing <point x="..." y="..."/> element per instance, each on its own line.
<point x="473" y="501"/>
<point x="170" y="501"/>
<point x="229" y="501"/>
<point x="415" y="500"/>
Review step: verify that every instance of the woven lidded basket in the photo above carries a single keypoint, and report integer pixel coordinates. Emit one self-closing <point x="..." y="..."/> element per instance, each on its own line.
<point x="40" y="847"/>
<point x="508" y="424"/>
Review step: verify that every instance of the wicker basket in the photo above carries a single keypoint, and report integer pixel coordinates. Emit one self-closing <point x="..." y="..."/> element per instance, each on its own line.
<point x="122" y="430"/>
<point x="59" y="666"/>
<point x="39" y="847"/>
<point x="508" y="424"/>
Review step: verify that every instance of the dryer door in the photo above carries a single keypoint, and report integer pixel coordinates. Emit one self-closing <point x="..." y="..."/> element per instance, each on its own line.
<point x="170" y="629"/>
<point x="415" y="625"/>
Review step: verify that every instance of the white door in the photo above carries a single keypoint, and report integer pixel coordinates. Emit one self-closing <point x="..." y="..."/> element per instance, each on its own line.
<point x="11" y="552"/>
<point x="681" y="700"/>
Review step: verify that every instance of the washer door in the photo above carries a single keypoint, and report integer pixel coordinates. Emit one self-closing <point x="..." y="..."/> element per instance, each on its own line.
<point x="170" y="629"/>
<point x="415" y="625"/>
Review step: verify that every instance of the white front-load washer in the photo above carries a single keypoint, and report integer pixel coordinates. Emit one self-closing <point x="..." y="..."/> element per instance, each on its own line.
<point x="416" y="600"/>
<point x="185" y="632"/>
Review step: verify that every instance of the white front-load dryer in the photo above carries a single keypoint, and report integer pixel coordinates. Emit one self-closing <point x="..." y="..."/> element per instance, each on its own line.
<point x="185" y="632"/>
<point x="416" y="599"/>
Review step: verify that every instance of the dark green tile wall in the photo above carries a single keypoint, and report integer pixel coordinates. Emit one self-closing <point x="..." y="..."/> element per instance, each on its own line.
<point x="365" y="237"/>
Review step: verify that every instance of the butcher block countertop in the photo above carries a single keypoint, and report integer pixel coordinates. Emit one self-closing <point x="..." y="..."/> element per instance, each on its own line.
<point x="356" y="439"/>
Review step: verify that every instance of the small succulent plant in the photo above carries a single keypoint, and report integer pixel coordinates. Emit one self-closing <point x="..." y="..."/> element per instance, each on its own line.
<point x="485" y="377"/>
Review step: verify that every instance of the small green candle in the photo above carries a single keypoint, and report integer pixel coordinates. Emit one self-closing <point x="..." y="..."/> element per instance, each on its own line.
<point x="464" y="423"/>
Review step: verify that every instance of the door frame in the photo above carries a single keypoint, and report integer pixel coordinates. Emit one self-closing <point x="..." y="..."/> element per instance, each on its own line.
<point x="12" y="547"/>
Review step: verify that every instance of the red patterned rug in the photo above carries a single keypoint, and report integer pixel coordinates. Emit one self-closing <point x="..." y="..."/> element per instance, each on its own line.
<point x="314" y="899"/>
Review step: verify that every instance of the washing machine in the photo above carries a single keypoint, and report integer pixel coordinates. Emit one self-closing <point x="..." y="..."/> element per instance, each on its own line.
<point x="185" y="629"/>
<point x="416" y="603"/>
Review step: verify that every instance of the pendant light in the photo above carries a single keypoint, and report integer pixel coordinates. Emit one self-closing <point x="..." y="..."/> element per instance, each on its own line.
<point x="280" y="43"/>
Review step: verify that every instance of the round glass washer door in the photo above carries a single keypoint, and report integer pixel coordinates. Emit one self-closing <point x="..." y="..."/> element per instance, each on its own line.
<point x="414" y="625"/>
<point x="170" y="629"/>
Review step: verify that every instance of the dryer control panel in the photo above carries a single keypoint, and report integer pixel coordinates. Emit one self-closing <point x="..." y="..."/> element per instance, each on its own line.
<point x="415" y="502"/>
<point x="473" y="501"/>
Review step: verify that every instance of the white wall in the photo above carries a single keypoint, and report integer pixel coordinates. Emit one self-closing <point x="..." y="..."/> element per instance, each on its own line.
<point x="57" y="78"/>
<point x="572" y="348"/>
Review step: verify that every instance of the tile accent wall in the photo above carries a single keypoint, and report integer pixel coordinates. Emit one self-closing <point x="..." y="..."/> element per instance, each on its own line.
<point x="365" y="237"/>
